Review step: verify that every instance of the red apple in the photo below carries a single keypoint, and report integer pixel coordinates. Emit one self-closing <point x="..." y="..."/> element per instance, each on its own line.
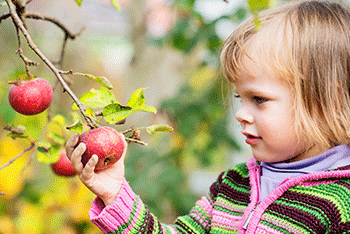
<point x="106" y="142"/>
<point x="63" y="166"/>
<point x="31" y="97"/>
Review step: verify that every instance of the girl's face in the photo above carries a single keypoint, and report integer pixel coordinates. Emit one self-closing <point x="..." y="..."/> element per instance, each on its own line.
<point x="267" y="117"/>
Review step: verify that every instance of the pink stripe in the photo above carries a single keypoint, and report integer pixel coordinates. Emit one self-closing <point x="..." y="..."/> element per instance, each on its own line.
<point x="109" y="218"/>
<point x="135" y="218"/>
<point x="230" y="207"/>
<point x="221" y="219"/>
<point x="279" y="223"/>
<point x="263" y="229"/>
<point x="313" y="183"/>
<point x="254" y="175"/>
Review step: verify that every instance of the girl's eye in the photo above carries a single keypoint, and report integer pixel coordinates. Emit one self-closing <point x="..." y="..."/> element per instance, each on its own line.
<point x="238" y="97"/>
<point x="259" y="100"/>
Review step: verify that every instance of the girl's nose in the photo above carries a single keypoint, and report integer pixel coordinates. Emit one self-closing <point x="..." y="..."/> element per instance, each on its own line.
<point x="243" y="116"/>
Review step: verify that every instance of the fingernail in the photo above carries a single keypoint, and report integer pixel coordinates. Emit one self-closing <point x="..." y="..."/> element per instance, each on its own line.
<point x="82" y="145"/>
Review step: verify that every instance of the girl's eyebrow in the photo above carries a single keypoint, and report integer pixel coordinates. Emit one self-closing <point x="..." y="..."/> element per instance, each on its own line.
<point x="254" y="92"/>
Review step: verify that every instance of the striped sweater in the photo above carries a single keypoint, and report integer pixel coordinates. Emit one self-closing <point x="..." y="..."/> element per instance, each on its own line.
<point x="311" y="203"/>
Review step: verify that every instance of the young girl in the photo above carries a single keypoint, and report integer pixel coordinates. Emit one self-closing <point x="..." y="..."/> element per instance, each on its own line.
<point x="291" y="72"/>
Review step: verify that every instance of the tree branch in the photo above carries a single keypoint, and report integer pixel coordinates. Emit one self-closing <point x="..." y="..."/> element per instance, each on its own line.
<point x="18" y="23"/>
<point x="15" y="158"/>
<point x="27" y="62"/>
<point x="128" y="139"/>
<point x="54" y="21"/>
<point x="14" y="130"/>
<point x="5" y="16"/>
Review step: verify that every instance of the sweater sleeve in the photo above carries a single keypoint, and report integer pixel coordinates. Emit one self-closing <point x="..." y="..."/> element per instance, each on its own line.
<point x="128" y="214"/>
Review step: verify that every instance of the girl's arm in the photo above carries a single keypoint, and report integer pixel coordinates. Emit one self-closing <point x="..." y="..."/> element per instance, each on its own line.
<point x="128" y="214"/>
<point x="117" y="209"/>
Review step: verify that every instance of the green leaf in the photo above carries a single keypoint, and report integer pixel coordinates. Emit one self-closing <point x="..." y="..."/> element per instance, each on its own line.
<point x="100" y="79"/>
<point x="17" y="135"/>
<point x="159" y="128"/>
<point x="137" y="102"/>
<point x="145" y="108"/>
<point x="79" y="2"/>
<point x="90" y="113"/>
<point x="137" y="98"/>
<point x="115" y="4"/>
<point x="43" y="146"/>
<point x="20" y="134"/>
<point x="48" y="153"/>
<point x="96" y="98"/>
<point x="114" y="113"/>
<point x="56" y="138"/>
<point x="77" y="126"/>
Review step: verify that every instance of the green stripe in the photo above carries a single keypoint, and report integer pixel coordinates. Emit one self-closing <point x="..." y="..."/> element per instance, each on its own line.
<point x="242" y="170"/>
<point x="275" y="227"/>
<point x="125" y="225"/>
<point x="238" y="187"/>
<point x="305" y="207"/>
<point x="332" y="192"/>
<point x="287" y="219"/>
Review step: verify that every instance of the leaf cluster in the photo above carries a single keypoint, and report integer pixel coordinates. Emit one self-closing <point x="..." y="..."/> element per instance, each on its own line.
<point x="192" y="29"/>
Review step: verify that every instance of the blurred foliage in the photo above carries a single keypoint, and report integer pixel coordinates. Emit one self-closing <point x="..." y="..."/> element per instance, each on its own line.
<point x="37" y="201"/>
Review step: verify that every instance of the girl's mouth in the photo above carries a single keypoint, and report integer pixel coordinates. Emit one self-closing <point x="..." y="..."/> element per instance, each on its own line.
<point x="251" y="139"/>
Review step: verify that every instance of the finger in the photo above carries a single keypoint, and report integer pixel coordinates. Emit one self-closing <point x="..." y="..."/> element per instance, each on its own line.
<point x="76" y="158"/>
<point x="70" y="145"/>
<point x="125" y="147"/>
<point x="89" y="169"/>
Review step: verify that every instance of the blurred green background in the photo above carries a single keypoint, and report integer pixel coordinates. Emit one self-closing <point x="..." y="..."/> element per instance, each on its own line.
<point x="169" y="47"/>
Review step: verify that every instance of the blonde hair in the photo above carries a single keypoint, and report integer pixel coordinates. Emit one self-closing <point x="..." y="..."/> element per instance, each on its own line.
<point x="307" y="44"/>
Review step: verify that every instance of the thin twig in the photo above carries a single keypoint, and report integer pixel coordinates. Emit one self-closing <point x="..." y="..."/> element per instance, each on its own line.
<point x="18" y="22"/>
<point x="26" y="61"/>
<point x="14" y="130"/>
<point x="5" y="16"/>
<point x="135" y="141"/>
<point x="15" y="158"/>
<point x="68" y="34"/>
<point x="60" y="61"/>
<point x="54" y="21"/>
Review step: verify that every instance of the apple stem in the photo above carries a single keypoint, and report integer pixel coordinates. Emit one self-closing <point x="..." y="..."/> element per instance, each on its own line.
<point x="106" y="161"/>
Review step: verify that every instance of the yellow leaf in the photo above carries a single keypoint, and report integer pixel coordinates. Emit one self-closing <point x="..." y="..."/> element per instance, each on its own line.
<point x="6" y="225"/>
<point x="11" y="176"/>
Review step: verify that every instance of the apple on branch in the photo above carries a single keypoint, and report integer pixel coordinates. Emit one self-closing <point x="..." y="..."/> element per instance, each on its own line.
<point x="30" y="97"/>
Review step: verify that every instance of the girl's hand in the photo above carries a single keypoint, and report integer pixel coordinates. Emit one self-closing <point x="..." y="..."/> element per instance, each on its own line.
<point x="105" y="183"/>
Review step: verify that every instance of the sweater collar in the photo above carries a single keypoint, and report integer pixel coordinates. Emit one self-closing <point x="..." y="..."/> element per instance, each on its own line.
<point x="333" y="158"/>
